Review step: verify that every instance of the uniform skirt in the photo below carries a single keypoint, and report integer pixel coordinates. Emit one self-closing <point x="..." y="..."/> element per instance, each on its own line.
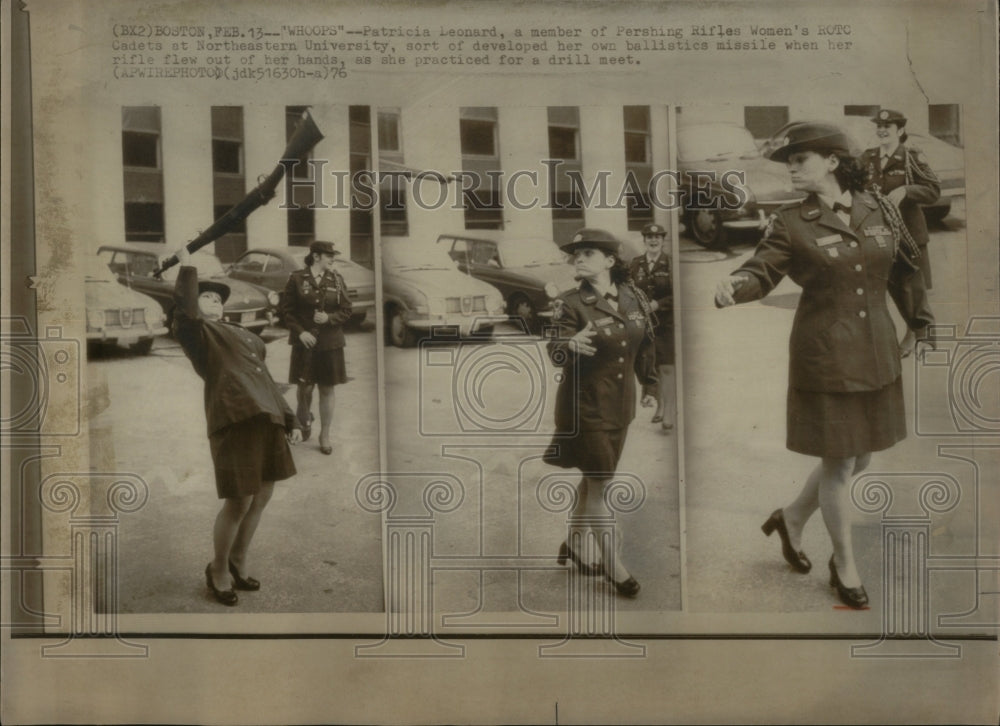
<point x="248" y="454"/>
<point x="842" y="425"/>
<point x="325" y="367"/>
<point x="664" y="347"/>
<point x="592" y="452"/>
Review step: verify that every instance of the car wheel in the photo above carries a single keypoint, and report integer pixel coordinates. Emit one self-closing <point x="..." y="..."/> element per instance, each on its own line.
<point x="705" y="226"/>
<point x="519" y="306"/>
<point x="142" y="347"/>
<point x="398" y="332"/>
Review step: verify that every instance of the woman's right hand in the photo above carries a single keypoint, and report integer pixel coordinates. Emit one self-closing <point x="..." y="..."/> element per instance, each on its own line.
<point x="726" y="288"/>
<point x="307" y="339"/>
<point x="581" y="342"/>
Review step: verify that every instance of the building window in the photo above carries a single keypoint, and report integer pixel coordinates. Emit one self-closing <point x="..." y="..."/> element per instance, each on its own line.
<point x="943" y="122"/>
<point x="392" y="191"/>
<point x="763" y="121"/>
<point x="479" y="134"/>
<point x="361" y="220"/>
<point x="142" y="172"/>
<point x="389" y="138"/>
<point x="564" y="145"/>
<point x="228" y="182"/>
<point x="301" y="223"/>
<point x="144" y="222"/>
<point x="639" y="165"/>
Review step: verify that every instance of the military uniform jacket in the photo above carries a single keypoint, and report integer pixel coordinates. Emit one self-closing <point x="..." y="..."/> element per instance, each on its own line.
<point x="657" y="285"/>
<point x="922" y="186"/>
<point x="303" y="296"/>
<point x="230" y="359"/>
<point x="843" y="339"/>
<point x="600" y="389"/>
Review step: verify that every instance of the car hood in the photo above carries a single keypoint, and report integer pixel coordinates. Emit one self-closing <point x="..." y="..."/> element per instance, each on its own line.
<point x="767" y="180"/>
<point x="358" y="278"/>
<point x="442" y="283"/>
<point x="241" y="294"/>
<point x="106" y="294"/>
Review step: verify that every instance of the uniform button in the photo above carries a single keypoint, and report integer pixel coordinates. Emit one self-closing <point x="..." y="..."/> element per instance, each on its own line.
<point x="860" y="291"/>
<point x="624" y="344"/>
<point x="621" y="360"/>
<point x="619" y="375"/>
<point x="257" y="369"/>
<point x="862" y="314"/>
<point x="858" y="268"/>
<point x="853" y="244"/>
<point x="620" y="325"/>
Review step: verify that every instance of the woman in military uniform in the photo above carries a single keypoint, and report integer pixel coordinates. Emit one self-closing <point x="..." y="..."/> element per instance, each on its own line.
<point x="249" y="423"/>
<point x="651" y="273"/>
<point x="845" y="395"/>
<point x="315" y="307"/>
<point x="604" y="341"/>
<point x="902" y="174"/>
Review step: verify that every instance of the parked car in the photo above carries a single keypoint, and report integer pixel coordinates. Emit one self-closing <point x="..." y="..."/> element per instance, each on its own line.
<point x="946" y="161"/>
<point x="269" y="267"/>
<point x="133" y="263"/>
<point x="422" y="288"/>
<point x="117" y="315"/>
<point x="518" y="268"/>
<point x="718" y="148"/>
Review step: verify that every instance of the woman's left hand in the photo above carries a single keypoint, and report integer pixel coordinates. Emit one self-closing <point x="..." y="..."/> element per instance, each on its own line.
<point x="648" y="401"/>
<point x="320" y="318"/>
<point x="295" y="437"/>
<point x="897" y="195"/>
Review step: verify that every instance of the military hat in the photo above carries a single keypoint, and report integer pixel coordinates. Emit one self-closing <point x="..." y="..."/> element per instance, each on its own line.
<point x="590" y="238"/>
<point x="220" y="288"/>
<point x="321" y="247"/>
<point x="653" y="228"/>
<point x="888" y="116"/>
<point x="810" y="136"/>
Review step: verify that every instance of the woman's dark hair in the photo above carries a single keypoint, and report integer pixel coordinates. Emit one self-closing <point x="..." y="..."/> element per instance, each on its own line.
<point x="850" y="174"/>
<point x="903" y="137"/>
<point x="310" y="260"/>
<point x="619" y="272"/>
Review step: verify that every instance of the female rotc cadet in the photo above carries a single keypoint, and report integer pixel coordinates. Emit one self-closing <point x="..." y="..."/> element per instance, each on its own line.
<point x="315" y="307"/>
<point x="845" y="393"/>
<point x="604" y="338"/>
<point x="249" y="423"/>
<point x="901" y="173"/>
<point x="651" y="273"/>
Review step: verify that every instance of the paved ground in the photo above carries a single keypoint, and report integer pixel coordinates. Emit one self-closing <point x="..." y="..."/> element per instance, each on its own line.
<point x="316" y="549"/>
<point x="738" y="470"/>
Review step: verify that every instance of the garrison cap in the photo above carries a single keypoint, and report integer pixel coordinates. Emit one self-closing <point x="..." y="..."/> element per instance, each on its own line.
<point x="320" y="247"/>
<point x="591" y="238"/>
<point x="888" y="116"/>
<point x="220" y="288"/>
<point x="653" y="228"/>
<point x="810" y="136"/>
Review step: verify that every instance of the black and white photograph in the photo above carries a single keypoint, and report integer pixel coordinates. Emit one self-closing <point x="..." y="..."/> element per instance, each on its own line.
<point x="509" y="362"/>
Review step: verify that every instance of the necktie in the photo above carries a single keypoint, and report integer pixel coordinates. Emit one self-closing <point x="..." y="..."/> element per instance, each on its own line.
<point x="883" y="160"/>
<point x="609" y="296"/>
<point x="838" y="207"/>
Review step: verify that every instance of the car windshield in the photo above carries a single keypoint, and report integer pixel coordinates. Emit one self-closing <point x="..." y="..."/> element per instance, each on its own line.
<point x="405" y="254"/>
<point x="531" y="253"/>
<point x="715" y="142"/>
<point x="98" y="270"/>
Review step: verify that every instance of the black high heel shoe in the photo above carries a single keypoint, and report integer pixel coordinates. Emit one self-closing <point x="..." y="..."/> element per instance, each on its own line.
<point x="226" y="597"/>
<point x="241" y="583"/>
<point x="584" y="568"/>
<point x="852" y="597"/>
<point x="798" y="560"/>
<point x="627" y="588"/>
